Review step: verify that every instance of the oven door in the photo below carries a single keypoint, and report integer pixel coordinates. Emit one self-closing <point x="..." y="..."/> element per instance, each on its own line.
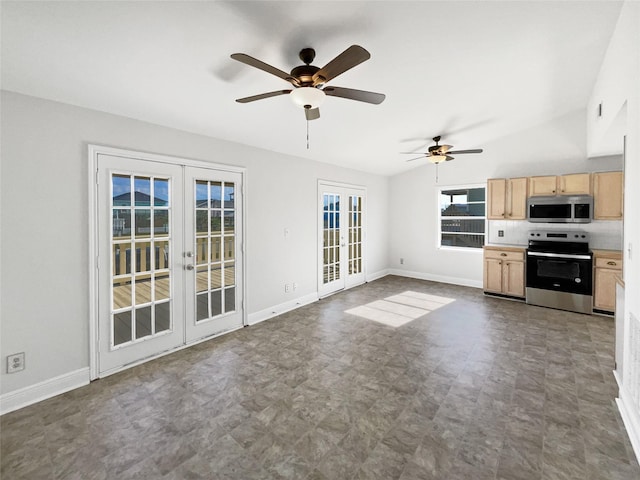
<point x="560" y="272"/>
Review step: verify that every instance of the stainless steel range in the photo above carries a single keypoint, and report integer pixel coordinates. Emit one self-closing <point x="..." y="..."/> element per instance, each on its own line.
<point x="559" y="270"/>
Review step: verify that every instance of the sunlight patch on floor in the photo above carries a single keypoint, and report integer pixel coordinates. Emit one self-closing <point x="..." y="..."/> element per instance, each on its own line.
<point x="400" y="309"/>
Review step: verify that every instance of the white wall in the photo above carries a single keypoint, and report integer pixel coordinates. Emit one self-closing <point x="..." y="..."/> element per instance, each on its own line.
<point x="618" y="88"/>
<point x="44" y="194"/>
<point x="554" y="148"/>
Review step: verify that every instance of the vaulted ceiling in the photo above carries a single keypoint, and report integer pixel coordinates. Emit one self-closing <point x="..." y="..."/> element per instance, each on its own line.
<point x="469" y="71"/>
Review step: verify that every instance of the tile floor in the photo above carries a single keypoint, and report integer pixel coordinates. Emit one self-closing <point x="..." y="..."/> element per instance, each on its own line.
<point x="480" y="388"/>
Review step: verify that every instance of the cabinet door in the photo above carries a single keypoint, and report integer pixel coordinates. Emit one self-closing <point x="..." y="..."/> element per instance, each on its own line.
<point x="493" y="275"/>
<point x="542" y="186"/>
<point x="575" y="184"/>
<point x="517" y="199"/>
<point x="605" y="289"/>
<point x="496" y="193"/>
<point x="513" y="278"/>
<point x="608" y="195"/>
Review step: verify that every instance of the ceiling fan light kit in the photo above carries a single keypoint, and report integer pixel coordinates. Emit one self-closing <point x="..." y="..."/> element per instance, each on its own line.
<point x="308" y="97"/>
<point x="437" y="158"/>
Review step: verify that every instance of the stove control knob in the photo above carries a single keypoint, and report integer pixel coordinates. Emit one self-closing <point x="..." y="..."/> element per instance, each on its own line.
<point x="578" y="280"/>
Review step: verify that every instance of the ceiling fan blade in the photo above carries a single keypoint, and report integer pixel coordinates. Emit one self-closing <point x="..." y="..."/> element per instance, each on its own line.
<point x="417" y="158"/>
<point x="352" y="56"/>
<point x="444" y="148"/>
<point x="312" y="113"/>
<point x="449" y="157"/>
<point x="476" y="150"/>
<point x="359" y="95"/>
<point x="412" y="153"/>
<point x="253" y="98"/>
<point x="254" y="62"/>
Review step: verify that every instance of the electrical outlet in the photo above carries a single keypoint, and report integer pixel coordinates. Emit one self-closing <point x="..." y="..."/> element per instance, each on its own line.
<point x="295" y="286"/>
<point x="287" y="288"/>
<point x="402" y="261"/>
<point x="15" y="362"/>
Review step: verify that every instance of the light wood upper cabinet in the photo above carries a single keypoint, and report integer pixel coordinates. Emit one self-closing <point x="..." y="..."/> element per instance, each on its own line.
<point x="516" y="198"/>
<point x="496" y="195"/>
<point x="572" y="184"/>
<point x="507" y="198"/>
<point x="608" y="195"/>
<point x="543" y="186"/>
<point x="575" y="184"/>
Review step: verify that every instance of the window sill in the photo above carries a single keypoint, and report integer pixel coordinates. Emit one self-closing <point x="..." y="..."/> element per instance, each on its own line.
<point x="461" y="249"/>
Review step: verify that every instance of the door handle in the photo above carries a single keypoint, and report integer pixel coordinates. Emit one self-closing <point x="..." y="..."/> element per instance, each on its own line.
<point x="189" y="267"/>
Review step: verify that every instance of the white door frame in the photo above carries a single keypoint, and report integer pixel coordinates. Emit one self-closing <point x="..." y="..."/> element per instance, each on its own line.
<point x="93" y="152"/>
<point x="350" y="188"/>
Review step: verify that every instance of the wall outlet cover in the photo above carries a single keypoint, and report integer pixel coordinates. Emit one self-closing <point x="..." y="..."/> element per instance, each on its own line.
<point x="15" y="362"/>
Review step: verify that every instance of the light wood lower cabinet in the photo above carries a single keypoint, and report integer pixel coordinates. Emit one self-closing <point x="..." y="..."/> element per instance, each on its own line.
<point x="607" y="265"/>
<point x="504" y="271"/>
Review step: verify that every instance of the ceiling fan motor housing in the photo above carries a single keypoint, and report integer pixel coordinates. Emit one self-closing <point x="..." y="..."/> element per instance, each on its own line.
<point x="304" y="74"/>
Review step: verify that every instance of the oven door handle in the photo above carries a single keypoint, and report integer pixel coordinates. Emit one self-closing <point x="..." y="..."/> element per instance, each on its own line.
<point x="559" y="255"/>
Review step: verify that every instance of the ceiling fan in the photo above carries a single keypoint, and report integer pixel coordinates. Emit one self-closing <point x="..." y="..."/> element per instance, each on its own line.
<point x="440" y="153"/>
<point x="308" y="81"/>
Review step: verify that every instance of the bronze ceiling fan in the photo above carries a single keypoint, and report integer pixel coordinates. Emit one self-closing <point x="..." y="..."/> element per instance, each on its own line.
<point x="309" y="82"/>
<point x="440" y="153"/>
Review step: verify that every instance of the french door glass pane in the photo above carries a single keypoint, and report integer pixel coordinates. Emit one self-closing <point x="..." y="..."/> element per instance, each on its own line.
<point x="355" y="234"/>
<point x="140" y="251"/>
<point x="331" y="238"/>
<point x="215" y="244"/>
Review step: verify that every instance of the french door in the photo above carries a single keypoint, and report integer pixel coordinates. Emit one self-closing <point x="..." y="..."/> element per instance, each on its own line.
<point x="342" y="236"/>
<point x="169" y="257"/>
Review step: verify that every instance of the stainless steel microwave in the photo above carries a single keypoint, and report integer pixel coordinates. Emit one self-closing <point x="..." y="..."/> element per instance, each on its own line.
<point x="560" y="209"/>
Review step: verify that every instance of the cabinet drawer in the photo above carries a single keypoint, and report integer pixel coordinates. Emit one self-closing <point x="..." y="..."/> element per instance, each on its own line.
<point x="612" y="263"/>
<point x="504" y="255"/>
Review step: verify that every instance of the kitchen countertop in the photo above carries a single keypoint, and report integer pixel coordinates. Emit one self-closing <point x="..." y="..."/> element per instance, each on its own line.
<point x="514" y="248"/>
<point x="608" y="253"/>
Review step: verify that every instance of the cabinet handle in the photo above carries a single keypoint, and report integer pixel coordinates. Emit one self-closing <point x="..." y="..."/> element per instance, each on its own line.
<point x="611" y="263"/>
<point x="503" y="254"/>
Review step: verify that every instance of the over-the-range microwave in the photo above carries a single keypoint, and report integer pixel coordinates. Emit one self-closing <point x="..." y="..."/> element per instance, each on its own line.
<point x="560" y="209"/>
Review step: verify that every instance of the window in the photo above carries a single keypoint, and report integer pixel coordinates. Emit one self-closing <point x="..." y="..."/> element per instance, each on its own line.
<point x="462" y="217"/>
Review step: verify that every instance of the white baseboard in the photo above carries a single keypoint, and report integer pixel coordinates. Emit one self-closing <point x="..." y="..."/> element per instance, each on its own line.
<point x="377" y="275"/>
<point x="276" y="310"/>
<point x="41" y="391"/>
<point x="465" y="282"/>
<point x="631" y="419"/>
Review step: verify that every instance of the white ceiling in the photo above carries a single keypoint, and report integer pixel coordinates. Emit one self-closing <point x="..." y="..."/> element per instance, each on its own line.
<point x="470" y="71"/>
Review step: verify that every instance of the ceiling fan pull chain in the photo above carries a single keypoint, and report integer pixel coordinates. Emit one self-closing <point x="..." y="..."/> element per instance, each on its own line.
<point x="436" y="173"/>
<point x="307" y="134"/>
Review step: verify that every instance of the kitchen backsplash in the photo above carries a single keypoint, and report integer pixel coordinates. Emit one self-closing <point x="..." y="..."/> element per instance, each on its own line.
<point x="605" y="235"/>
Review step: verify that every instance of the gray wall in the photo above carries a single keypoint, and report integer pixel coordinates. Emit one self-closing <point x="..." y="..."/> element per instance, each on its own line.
<point x="44" y="194"/>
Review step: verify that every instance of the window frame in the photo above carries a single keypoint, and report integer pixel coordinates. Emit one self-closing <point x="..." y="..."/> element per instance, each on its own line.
<point x="439" y="191"/>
